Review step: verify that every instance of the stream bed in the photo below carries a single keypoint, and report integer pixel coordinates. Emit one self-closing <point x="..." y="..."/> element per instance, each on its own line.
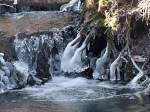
<point x="74" y="95"/>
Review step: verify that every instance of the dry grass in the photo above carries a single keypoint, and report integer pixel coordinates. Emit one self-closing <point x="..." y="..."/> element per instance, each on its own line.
<point x="111" y="20"/>
<point x="108" y="7"/>
<point x="90" y="4"/>
<point x="114" y="9"/>
<point x="144" y="9"/>
<point x="102" y="4"/>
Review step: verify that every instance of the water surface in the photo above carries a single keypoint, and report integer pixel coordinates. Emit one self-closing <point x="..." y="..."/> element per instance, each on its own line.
<point x="74" y="95"/>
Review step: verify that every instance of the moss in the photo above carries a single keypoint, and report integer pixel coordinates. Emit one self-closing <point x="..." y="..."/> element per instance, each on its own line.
<point x="112" y="20"/>
<point x="104" y="5"/>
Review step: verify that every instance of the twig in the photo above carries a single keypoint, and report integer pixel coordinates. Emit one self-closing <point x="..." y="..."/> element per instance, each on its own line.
<point x="7" y="5"/>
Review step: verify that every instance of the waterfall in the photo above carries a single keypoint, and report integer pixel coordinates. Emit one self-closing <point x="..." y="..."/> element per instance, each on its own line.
<point x="38" y="55"/>
<point x="74" y="5"/>
<point x="40" y="52"/>
<point x="38" y="58"/>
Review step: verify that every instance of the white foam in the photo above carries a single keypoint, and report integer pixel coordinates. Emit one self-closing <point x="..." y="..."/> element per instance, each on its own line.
<point x="68" y="89"/>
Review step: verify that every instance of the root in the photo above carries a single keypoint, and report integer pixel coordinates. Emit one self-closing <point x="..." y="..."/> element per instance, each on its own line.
<point x="144" y="9"/>
<point x="7" y="6"/>
<point x="115" y="67"/>
<point x="75" y="41"/>
<point x="140" y="75"/>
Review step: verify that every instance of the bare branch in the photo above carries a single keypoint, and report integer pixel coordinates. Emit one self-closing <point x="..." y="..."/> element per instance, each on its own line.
<point x="7" y="5"/>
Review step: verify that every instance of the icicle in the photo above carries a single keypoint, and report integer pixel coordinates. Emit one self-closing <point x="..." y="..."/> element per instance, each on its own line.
<point x="69" y="53"/>
<point x="71" y="59"/>
<point x="115" y="67"/>
<point x="72" y="5"/>
<point x="134" y="82"/>
<point x="100" y="64"/>
<point x="15" y="2"/>
<point x="76" y="59"/>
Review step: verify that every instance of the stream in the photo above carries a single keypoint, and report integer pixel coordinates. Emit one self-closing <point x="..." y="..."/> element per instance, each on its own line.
<point x="51" y="72"/>
<point x="74" y="95"/>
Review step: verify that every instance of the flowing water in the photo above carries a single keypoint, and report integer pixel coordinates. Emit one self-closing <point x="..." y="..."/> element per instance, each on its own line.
<point x="74" y="95"/>
<point x="47" y="51"/>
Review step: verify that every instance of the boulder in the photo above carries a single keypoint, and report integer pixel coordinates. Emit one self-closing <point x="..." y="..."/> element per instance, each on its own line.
<point x="43" y="63"/>
<point x="7" y="47"/>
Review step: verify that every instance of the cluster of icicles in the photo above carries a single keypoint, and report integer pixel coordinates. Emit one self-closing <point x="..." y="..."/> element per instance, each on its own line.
<point x="71" y="59"/>
<point x="75" y="52"/>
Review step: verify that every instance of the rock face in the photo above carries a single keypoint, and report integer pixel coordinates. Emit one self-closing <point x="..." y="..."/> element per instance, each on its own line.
<point x="28" y="2"/>
<point x="31" y="5"/>
<point x="35" y="21"/>
<point x="43" y="63"/>
<point x="7" y="47"/>
<point x="42" y="52"/>
<point x="29" y="23"/>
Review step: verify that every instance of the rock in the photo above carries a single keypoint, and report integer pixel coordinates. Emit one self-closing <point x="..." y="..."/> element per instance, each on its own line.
<point x="2" y="73"/>
<point x="29" y="23"/>
<point x="2" y="87"/>
<point x="139" y="58"/>
<point x="32" y="80"/>
<point x="21" y="73"/>
<point x="30" y="5"/>
<point x="7" y="47"/>
<point x="34" y="22"/>
<point x="28" y="2"/>
<point x="19" y="79"/>
<point x="87" y="73"/>
<point x="6" y="70"/>
<point x="43" y="63"/>
<point x="6" y="81"/>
